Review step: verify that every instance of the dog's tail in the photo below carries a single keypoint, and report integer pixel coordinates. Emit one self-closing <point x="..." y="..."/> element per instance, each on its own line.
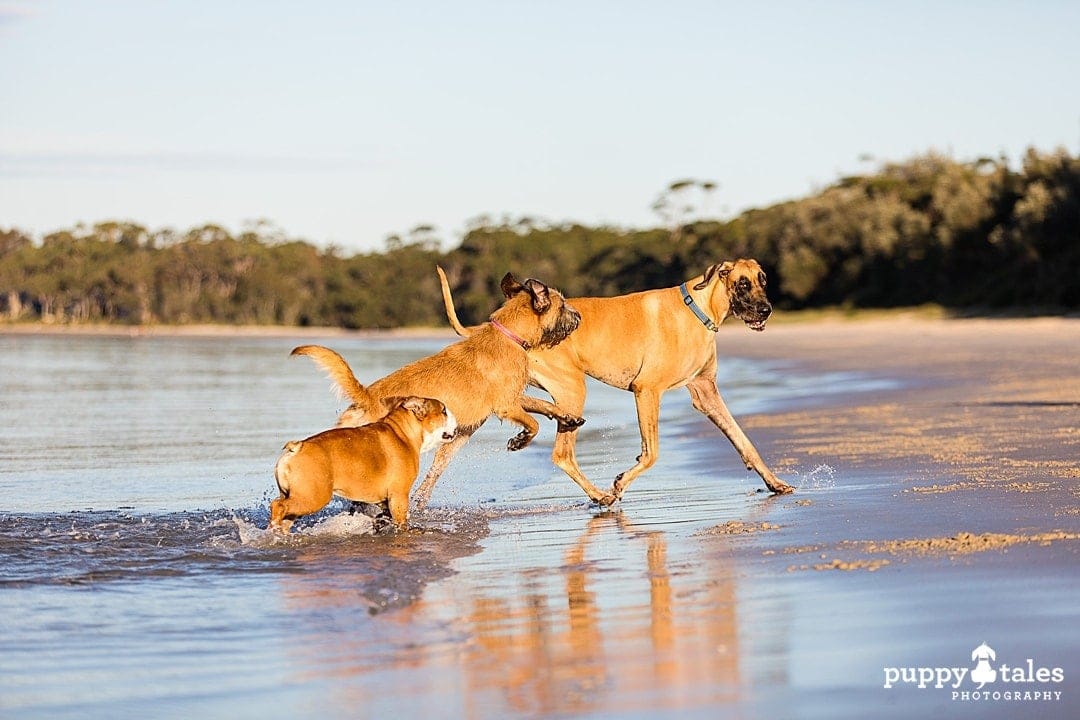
<point x="448" y="303"/>
<point x="339" y="372"/>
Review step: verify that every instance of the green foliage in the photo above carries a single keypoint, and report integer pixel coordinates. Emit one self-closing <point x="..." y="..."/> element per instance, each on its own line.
<point x="931" y="229"/>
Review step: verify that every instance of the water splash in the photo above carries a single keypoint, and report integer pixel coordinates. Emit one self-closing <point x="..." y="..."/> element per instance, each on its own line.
<point x="822" y="477"/>
<point x="343" y="525"/>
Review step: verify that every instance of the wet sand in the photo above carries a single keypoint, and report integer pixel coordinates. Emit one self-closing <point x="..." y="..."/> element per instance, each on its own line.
<point x="959" y="491"/>
<point x="931" y="517"/>
<point x="994" y="403"/>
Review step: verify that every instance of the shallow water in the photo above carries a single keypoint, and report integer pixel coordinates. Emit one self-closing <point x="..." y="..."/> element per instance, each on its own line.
<point x="137" y="578"/>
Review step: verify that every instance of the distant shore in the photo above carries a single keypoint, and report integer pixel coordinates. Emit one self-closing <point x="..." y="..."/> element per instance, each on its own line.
<point x="207" y="330"/>
<point x="817" y="317"/>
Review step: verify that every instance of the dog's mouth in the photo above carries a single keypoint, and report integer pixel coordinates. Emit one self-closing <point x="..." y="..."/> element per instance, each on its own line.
<point x="756" y="325"/>
<point x="754" y="312"/>
<point x="447" y="436"/>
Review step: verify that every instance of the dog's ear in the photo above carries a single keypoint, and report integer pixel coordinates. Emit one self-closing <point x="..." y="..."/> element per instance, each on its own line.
<point x="721" y="270"/>
<point x="541" y="299"/>
<point x="418" y="406"/>
<point x="510" y="285"/>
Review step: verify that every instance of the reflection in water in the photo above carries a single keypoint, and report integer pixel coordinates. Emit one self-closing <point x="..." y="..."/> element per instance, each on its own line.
<point x="601" y="643"/>
<point x="631" y="630"/>
<point x="359" y="599"/>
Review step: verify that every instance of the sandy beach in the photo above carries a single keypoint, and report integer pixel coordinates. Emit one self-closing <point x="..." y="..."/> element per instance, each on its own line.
<point x="984" y="404"/>
<point x="964" y="503"/>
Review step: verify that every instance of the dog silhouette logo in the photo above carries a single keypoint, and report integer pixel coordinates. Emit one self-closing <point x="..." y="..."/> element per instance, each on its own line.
<point x="983" y="673"/>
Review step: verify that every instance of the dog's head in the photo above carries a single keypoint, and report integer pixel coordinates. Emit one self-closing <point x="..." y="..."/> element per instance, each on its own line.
<point x="743" y="283"/>
<point x="538" y="314"/>
<point x="437" y="423"/>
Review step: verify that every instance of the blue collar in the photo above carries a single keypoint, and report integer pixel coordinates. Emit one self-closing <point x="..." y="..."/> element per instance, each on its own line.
<point x="696" y="309"/>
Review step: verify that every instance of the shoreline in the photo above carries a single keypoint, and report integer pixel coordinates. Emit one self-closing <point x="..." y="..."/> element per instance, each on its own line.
<point x="828" y="316"/>
<point x="986" y="412"/>
<point x="215" y="330"/>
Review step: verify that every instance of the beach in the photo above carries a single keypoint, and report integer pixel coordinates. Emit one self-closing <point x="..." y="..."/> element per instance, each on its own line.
<point x="988" y="404"/>
<point x="969" y="514"/>
<point x="937" y="509"/>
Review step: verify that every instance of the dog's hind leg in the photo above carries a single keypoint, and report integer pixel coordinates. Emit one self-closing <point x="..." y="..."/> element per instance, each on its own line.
<point x="706" y="398"/>
<point x="648" y="413"/>
<point x="399" y="509"/>
<point x="443" y="456"/>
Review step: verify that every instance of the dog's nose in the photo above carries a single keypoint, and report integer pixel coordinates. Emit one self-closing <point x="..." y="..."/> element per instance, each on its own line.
<point x="764" y="309"/>
<point x="447" y="436"/>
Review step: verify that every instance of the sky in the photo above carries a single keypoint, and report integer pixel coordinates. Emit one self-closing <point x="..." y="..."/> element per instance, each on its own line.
<point x="345" y="122"/>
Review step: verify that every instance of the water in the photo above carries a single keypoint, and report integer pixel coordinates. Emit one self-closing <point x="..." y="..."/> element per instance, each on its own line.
<point x="137" y="578"/>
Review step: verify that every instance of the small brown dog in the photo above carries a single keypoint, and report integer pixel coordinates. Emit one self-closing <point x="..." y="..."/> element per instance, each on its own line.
<point x="375" y="463"/>
<point x="481" y="375"/>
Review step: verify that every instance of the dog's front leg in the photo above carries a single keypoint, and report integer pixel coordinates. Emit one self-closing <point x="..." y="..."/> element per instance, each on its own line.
<point x="564" y="456"/>
<point x="648" y="413"/>
<point x="569" y="393"/>
<point x="566" y="421"/>
<point x="706" y="398"/>
<point x="443" y="456"/>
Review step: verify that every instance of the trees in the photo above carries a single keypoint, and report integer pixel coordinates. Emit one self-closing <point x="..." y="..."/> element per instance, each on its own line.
<point x="15" y="247"/>
<point x="929" y="229"/>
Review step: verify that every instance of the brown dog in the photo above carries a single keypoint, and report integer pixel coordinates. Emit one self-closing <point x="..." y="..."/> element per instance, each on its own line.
<point x="482" y="375"/>
<point x="375" y="463"/>
<point x="650" y="342"/>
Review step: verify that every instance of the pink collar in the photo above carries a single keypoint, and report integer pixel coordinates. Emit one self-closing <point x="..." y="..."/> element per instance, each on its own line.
<point x="505" y="331"/>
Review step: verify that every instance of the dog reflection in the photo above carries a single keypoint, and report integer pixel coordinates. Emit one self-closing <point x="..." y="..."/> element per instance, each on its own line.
<point x="571" y="636"/>
<point x="599" y="650"/>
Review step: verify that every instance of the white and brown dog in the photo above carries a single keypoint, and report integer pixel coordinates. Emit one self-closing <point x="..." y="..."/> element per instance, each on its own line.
<point x="371" y="464"/>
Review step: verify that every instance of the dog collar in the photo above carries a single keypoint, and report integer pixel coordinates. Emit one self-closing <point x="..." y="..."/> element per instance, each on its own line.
<point x="506" y="331"/>
<point x="696" y="309"/>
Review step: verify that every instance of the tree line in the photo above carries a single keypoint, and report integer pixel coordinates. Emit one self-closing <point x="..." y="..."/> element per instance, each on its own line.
<point x="965" y="234"/>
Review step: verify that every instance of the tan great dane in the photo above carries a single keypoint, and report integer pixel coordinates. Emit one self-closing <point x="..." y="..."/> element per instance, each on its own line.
<point x="648" y="343"/>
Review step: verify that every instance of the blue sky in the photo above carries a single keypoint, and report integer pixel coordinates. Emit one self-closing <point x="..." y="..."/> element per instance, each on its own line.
<point x="344" y="122"/>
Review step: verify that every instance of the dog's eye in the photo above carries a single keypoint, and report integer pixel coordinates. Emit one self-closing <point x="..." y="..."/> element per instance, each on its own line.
<point x="761" y="279"/>
<point x="744" y="284"/>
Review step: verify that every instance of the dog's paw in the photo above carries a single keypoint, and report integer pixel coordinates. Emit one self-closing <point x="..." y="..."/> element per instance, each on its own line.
<point x="570" y="422"/>
<point x="519" y="441"/>
<point x="606" y="500"/>
<point x="617" y="487"/>
<point x="780" y="487"/>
